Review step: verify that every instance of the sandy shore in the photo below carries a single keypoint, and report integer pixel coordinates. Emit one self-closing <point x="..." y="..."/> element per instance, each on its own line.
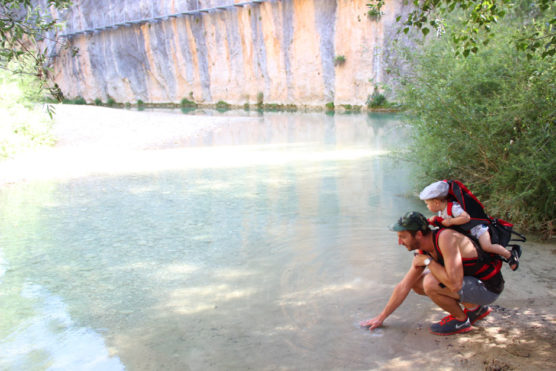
<point x="519" y="334"/>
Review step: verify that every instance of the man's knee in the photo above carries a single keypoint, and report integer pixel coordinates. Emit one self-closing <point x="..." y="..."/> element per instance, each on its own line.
<point x="418" y="286"/>
<point x="430" y="285"/>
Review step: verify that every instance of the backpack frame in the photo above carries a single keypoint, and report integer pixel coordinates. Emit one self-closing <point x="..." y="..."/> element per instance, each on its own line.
<point x="501" y="231"/>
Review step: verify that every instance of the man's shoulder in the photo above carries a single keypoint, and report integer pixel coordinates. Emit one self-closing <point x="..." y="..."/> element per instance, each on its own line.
<point x="450" y="237"/>
<point x="450" y="232"/>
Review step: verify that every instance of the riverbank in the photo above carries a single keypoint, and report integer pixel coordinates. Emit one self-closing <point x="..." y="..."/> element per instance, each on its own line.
<point x="519" y="334"/>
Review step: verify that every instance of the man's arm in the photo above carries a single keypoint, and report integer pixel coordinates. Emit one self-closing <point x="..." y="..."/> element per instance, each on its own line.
<point x="451" y="274"/>
<point x="397" y="298"/>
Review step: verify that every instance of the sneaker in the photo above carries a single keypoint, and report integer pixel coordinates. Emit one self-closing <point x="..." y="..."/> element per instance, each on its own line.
<point x="514" y="258"/>
<point x="474" y="315"/>
<point x="450" y="325"/>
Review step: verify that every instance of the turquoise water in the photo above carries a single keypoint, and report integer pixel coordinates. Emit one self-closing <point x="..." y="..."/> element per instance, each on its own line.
<point x="261" y="246"/>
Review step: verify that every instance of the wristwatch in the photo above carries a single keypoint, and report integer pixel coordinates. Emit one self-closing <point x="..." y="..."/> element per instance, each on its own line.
<point x="427" y="262"/>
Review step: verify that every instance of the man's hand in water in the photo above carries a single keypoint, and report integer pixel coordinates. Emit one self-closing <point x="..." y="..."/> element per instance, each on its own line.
<point x="371" y="323"/>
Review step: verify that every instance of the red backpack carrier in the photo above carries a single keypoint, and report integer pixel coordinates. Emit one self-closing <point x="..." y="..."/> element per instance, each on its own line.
<point x="501" y="231"/>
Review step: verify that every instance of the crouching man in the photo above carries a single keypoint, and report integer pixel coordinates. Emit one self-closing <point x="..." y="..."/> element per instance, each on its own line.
<point x="450" y="269"/>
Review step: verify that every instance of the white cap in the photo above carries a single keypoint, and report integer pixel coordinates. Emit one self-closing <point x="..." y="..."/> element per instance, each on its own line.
<point x="435" y="190"/>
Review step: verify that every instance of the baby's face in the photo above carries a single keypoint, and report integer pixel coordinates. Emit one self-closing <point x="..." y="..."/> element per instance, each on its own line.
<point x="434" y="205"/>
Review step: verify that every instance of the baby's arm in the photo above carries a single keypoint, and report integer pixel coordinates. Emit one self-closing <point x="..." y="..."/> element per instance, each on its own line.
<point x="457" y="220"/>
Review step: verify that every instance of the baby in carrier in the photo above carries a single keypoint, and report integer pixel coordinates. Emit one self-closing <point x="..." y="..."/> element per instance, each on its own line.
<point x="451" y="213"/>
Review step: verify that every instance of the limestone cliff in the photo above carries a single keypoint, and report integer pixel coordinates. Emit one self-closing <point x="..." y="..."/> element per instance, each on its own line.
<point x="279" y="51"/>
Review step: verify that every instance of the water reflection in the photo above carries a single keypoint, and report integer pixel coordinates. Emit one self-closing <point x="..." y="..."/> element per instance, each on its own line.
<point x="250" y="245"/>
<point x="49" y="339"/>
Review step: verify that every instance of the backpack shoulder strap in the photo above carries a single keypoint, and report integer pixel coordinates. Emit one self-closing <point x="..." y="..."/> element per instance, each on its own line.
<point x="458" y="192"/>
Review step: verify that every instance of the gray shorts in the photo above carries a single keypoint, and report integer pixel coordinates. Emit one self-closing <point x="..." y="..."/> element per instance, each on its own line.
<point x="474" y="291"/>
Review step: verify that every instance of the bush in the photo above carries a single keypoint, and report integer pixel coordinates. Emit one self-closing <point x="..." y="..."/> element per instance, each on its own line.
<point x="487" y="120"/>
<point x="273" y="107"/>
<point x="339" y="60"/>
<point x="376" y="100"/>
<point x="98" y="102"/>
<point x="329" y="106"/>
<point x="260" y="100"/>
<point x="110" y="102"/>
<point x="222" y="106"/>
<point x="348" y="108"/>
<point x="79" y="100"/>
<point x="186" y="103"/>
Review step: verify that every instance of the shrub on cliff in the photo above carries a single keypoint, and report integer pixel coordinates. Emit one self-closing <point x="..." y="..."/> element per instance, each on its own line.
<point x="487" y="120"/>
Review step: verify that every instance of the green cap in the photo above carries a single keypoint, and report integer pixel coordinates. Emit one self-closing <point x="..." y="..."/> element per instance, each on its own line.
<point x="411" y="221"/>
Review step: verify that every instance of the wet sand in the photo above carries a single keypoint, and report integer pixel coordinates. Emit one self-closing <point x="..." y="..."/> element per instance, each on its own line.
<point x="520" y="333"/>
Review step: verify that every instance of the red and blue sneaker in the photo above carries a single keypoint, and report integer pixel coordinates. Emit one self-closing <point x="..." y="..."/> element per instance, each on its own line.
<point x="478" y="313"/>
<point x="449" y="325"/>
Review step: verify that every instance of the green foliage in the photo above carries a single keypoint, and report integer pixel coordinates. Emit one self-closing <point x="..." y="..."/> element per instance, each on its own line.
<point x="23" y="25"/>
<point x="348" y="108"/>
<point x="222" y="106"/>
<point x="375" y="7"/>
<point x="25" y="124"/>
<point x="376" y="100"/>
<point x="329" y="106"/>
<point x="98" y="101"/>
<point x="339" y="60"/>
<point x="78" y="100"/>
<point x="280" y="107"/>
<point x="273" y="107"/>
<point x="260" y="100"/>
<point x="534" y="35"/>
<point x="186" y="103"/>
<point x="110" y="102"/>
<point x="487" y="120"/>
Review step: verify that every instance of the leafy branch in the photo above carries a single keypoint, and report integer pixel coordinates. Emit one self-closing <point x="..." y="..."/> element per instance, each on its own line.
<point x="375" y="9"/>
<point x="480" y="16"/>
<point x="25" y="29"/>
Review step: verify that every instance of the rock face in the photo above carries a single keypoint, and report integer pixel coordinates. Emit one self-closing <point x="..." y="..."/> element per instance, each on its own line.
<point x="273" y="51"/>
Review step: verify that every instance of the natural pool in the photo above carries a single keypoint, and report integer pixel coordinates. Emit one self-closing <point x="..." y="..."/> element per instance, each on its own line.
<point x="257" y="244"/>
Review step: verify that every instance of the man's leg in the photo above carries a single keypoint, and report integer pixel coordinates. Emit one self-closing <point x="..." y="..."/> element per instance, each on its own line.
<point x="443" y="297"/>
<point x="457" y="322"/>
<point x="476" y="298"/>
<point x="418" y="286"/>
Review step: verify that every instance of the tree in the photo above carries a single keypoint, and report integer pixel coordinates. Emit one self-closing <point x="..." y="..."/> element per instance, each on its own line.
<point x="537" y="35"/>
<point x="24" y="25"/>
<point x="488" y="120"/>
